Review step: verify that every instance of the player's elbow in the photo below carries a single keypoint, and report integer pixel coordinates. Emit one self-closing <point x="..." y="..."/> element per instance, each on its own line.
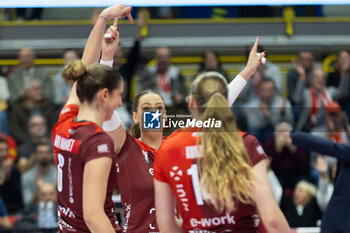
<point x="276" y="224"/>
<point x="92" y="217"/>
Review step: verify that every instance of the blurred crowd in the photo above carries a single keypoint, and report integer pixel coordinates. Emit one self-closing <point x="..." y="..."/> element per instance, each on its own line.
<point x="302" y="182"/>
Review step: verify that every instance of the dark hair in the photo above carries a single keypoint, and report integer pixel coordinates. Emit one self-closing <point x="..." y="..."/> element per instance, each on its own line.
<point x="43" y="144"/>
<point x="71" y="50"/>
<point x="90" y="80"/>
<point x="266" y="80"/>
<point x="134" y="130"/>
<point x="2" y="140"/>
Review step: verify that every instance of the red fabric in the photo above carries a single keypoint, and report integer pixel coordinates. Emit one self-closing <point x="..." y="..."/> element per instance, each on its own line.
<point x="176" y="165"/>
<point x="12" y="146"/>
<point x="316" y="102"/>
<point x="76" y="143"/>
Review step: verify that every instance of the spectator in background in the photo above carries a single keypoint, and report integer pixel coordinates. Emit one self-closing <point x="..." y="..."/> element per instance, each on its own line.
<point x="290" y="163"/>
<point x="342" y="69"/>
<point x="211" y="62"/>
<point x="42" y="213"/>
<point x="264" y="112"/>
<point x="313" y="101"/>
<point x="4" y="96"/>
<point x="300" y="73"/>
<point x="341" y="79"/>
<point x="325" y="182"/>
<point x="265" y="70"/>
<point x="32" y="103"/>
<point x="61" y="88"/>
<point x="37" y="135"/>
<point x="4" y="219"/>
<point x="166" y="79"/>
<point x="10" y="181"/>
<point x="44" y="170"/>
<point x="302" y="209"/>
<point x="20" y="78"/>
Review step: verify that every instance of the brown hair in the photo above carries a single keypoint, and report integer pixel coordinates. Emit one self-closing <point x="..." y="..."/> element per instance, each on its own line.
<point x="134" y="130"/>
<point x="91" y="79"/>
<point x="224" y="167"/>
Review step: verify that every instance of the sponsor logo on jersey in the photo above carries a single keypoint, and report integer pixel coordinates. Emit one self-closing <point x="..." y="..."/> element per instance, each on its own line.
<point x="260" y="150"/>
<point x="176" y="173"/>
<point x="65" y="110"/>
<point x="66" y="212"/>
<point x="103" y="148"/>
<point x="62" y="224"/>
<point x="193" y="152"/>
<point x="127" y="216"/>
<point x="151" y="120"/>
<point x="64" y="144"/>
<point x="151" y="171"/>
<point x="210" y="222"/>
<point x="181" y="193"/>
<point x="256" y="220"/>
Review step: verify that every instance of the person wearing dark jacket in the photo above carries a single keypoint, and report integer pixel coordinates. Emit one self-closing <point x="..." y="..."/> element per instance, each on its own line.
<point x="336" y="218"/>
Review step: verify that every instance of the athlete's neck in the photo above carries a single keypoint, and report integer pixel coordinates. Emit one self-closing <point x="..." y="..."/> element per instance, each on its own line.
<point x="91" y="113"/>
<point x="152" y="139"/>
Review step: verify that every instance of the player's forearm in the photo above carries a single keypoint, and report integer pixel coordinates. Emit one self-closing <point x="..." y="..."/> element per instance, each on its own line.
<point x="93" y="45"/>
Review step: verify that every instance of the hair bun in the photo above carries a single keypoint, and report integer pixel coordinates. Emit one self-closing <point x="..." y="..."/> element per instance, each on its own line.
<point x="74" y="70"/>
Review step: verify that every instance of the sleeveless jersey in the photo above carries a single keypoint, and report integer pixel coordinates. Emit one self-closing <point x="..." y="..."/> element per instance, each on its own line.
<point x="76" y="143"/>
<point x="176" y="165"/>
<point x="135" y="182"/>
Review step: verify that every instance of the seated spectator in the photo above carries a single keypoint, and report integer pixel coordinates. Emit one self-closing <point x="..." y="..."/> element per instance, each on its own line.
<point x="211" y="62"/>
<point x="313" y="101"/>
<point x="10" y="181"/>
<point x="300" y="73"/>
<point x="44" y="170"/>
<point x="4" y="96"/>
<point x="342" y="69"/>
<point x="20" y="78"/>
<point x="32" y="103"/>
<point x="37" y="134"/>
<point x="267" y="110"/>
<point x="61" y="88"/>
<point x="302" y="209"/>
<point x="289" y="163"/>
<point x="4" y="219"/>
<point x="165" y="79"/>
<point x="42" y="213"/>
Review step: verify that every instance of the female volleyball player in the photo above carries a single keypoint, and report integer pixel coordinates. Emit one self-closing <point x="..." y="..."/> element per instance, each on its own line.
<point x="135" y="159"/>
<point x="218" y="178"/>
<point x="84" y="154"/>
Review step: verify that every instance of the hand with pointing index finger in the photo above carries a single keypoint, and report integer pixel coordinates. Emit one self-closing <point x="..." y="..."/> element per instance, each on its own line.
<point x="110" y="43"/>
<point x="254" y="61"/>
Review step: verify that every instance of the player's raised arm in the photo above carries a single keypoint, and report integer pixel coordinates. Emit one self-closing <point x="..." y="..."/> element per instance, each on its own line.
<point x="93" y="45"/>
<point x="238" y="83"/>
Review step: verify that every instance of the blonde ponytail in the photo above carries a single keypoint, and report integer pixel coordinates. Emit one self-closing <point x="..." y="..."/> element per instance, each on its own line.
<point x="225" y="167"/>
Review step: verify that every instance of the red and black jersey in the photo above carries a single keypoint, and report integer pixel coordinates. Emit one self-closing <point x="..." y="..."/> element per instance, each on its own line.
<point x="135" y="182"/>
<point x="176" y="165"/>
<point x="76" y="143"/>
